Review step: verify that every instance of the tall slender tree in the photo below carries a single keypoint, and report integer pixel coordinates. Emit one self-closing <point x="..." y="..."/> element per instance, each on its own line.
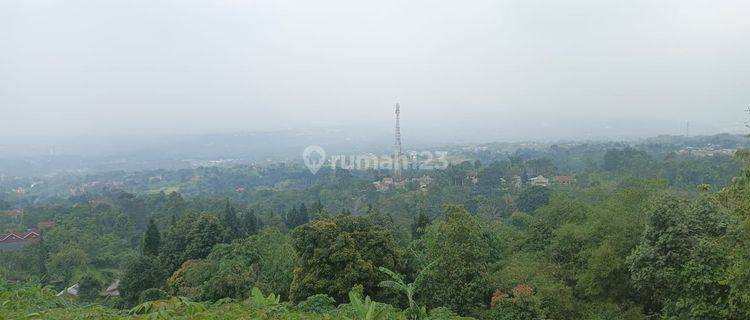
<point x="318" y="207"/>
<point x="250" y="223"/>
<point x="151" y="239"/>
<point x="230" y="220"/>
<point x="297" y="216"/>
<point x="419" y="226"/>
<point x="304" y="216"/>
<point x="290" y="218"/>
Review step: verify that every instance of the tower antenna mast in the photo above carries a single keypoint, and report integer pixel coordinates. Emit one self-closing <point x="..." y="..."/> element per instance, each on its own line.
<point x="397" y="170"/>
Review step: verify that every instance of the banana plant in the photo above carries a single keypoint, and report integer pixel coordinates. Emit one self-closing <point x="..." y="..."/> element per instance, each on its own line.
<point x="366" y="309"/>
<point x="260" y="300"/>
<point x="168" y="308"/>
<point x="397" y="283"/>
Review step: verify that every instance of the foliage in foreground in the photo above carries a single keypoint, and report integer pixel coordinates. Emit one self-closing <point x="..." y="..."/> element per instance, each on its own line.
<point x="36" y="302"/>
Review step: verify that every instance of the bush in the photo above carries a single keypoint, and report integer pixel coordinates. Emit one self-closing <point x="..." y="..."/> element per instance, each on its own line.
<point x="89" y="287"/>
<point x="520" y="220"/>
<point x="509" y="309"/>
<point x="116" y="303"/>
<point x="319" y="303"/>
<point x="442" y="313"/>
<point x="152" y="294"/>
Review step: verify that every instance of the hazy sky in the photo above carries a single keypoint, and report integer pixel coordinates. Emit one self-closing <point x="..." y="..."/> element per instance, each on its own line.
<point x="498" y="69"/>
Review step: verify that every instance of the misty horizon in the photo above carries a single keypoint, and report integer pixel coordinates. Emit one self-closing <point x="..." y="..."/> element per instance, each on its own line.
<point x="504" y="71"/>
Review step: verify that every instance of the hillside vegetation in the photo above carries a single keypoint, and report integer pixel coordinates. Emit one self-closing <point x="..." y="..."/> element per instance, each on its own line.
<point x="623" y="239"/>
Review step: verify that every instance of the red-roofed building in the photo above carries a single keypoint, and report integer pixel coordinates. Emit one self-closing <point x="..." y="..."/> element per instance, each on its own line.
<point x="563" y="179"/>
<point x="18" y="239"/>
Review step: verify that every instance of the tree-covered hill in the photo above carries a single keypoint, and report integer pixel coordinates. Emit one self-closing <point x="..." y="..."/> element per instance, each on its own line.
<point x="632" y="236"/>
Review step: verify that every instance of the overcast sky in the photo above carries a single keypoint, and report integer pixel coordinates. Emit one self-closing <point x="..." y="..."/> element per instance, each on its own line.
<point x="484" y="70"/>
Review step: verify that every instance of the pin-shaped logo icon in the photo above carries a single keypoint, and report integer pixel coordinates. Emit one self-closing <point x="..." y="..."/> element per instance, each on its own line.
<point x="314" y="157"/>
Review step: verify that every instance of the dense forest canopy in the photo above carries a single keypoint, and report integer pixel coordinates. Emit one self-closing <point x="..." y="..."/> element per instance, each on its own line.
<point x="656" y="229"/>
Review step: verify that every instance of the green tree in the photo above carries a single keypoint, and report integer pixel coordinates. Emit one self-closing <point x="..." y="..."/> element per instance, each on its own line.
<point x="490" y="177"/>
<point x="151" y="239"/>
<point x="533" y="198"/>
<point x="680" y="265"/>
<point x="250" y="223"/>
<point x="541" y="166"/>
<point x="192" y="237"/>
<point x="419" y="226"/>
<point x="64" y="264"/>
<point x="175" y="205"/>
<point x="736" y="198"/>
<point x="340" y="252"/>
<point x="630" y="160"/>
<point x="89" y="287"/>
<point x="231" y="223"/>
<point x="297" y="216"/>
<point x="265" y="261"/>
<point x="139" y="274"/>
<point x="152" y="294"/>
<point x="41" y="253"/>
<point x="523" y="304"/>
<point x="461" y="253"/>
<point x="318" y="208"/>
<point x="304" y="215"/>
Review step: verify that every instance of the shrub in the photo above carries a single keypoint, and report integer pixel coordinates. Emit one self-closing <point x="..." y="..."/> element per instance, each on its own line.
<point x="89" y="287"/>
<point x="152" y="294"/>
<point x="116" y="303"/>
<point x="319" y="303"/>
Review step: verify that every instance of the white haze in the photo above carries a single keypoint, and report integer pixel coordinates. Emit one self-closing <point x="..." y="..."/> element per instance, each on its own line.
<point x="462" y="70"/>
